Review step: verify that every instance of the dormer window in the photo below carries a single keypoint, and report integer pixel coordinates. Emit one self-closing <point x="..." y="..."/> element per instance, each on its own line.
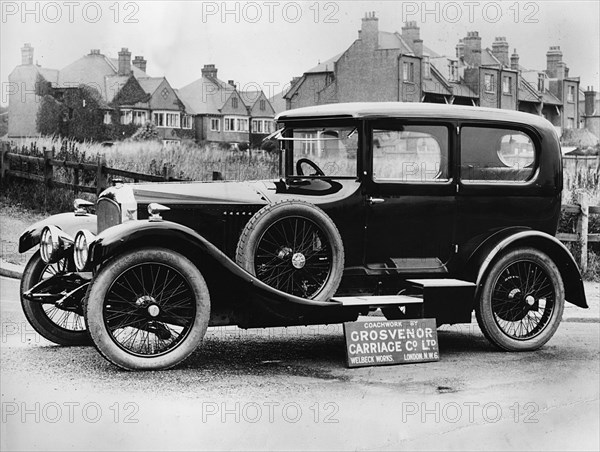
<point x="541" y="83"/>
<point x="426" y="67"/>
<point x="453" y="70"/>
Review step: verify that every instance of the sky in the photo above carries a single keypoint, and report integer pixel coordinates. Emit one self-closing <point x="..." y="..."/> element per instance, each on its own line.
<point x="266" y="43"/>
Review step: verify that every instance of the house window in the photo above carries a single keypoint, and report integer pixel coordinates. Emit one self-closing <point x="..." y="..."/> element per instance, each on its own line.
<point x="215" y="124"/>
<point x="166" y="119"/>
<point x="507" y="85"/>
<point x="234" y="102"/>
<point x="570" y="123"/>
<point x="139" y="117"/>
<point x="257" y="126"/>
<point x="107" y="118"/>
<point x="571" y="94"/>
<point x="126" y="117"/>
<point x="426" y="67"/>
<point x="186" y="122"/>
<point x="236" y="124"/>
<point x="453" y="70"/>
<point x="408" y="72"/>
<point x="489" y="83"/>
<point x="268" y="126"/>
<point x="263" y="105"/>
<point x="541" y="82"/>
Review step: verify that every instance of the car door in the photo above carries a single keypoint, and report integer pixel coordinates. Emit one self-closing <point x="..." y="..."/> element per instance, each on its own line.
<point x="410" y="200"/>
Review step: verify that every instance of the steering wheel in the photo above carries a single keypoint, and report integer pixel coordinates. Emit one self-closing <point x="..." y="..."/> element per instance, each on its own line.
<point x="318" y="171"/>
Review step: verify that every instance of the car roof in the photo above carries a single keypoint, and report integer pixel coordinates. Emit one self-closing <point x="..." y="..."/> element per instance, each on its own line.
<point x="411" y="110"/>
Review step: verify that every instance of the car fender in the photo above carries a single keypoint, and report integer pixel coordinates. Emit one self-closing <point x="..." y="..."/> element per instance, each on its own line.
<point x="480" y="260"/>
<point x="112" y="242"/>
<point x="67" y="222"/>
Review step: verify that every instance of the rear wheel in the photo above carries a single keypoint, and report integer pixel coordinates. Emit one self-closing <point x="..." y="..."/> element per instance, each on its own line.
<point x="57" y="325"/>
<point x="148" y="309"/>
<point x="294" y="247"/>
<point x="522" y="300"/>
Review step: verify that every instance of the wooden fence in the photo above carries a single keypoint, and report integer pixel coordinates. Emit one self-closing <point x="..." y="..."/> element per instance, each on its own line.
<point x="99" y="170"/>
<point x="583" y="210"/>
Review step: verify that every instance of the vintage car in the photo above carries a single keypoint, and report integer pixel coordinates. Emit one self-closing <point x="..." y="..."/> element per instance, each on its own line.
<point x="414" y="209"/>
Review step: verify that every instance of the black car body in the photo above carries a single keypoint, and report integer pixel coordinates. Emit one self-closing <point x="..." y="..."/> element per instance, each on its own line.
<point x="457" y="204"/>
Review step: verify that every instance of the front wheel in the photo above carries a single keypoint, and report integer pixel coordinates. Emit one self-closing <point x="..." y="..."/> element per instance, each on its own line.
<point x="148" y="309"/>
<point x="522" y="300"/>
<point x="57" y="325"/>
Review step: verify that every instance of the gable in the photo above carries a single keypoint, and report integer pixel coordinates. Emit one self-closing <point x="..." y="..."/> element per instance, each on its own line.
<point x="230" y="109"/>
<point x="165" y="98"/>
<point x="131" y="94"/>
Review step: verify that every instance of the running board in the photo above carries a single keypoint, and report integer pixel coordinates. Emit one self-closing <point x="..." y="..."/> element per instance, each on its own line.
<point x="377" y="301"/>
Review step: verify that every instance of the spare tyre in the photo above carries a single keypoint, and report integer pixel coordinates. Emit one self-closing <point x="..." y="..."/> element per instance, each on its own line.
<point x="294" y="247"/>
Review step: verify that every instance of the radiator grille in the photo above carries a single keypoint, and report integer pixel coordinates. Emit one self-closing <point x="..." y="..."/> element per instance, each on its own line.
<point x="108" y="212"/>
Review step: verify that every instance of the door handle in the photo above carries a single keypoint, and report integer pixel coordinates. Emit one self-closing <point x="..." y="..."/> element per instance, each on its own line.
<point x="372" y="200"/>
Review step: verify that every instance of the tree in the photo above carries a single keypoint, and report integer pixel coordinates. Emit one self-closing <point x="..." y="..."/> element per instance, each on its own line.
<point x="51" y="116"/>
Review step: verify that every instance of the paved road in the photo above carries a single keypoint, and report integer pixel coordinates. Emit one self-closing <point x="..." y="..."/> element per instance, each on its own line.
<point x="289" y="389"/>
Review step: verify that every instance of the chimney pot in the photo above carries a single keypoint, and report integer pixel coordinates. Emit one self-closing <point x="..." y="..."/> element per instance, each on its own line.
<point x="140" y="63"/>
<point x="27" y="54"/>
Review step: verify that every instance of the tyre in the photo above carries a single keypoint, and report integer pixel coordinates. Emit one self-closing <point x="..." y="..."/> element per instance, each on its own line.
<point x="148" y="309"/>
<point x="522" y="300"/>
<point x="294" y="247"/>
<point x="57" y="325"/>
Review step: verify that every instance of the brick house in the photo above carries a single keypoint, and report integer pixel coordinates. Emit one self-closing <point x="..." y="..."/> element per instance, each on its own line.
<point x="384" y="66"/>
<point x="127" y="96"/>
<point x="222" y="113"/>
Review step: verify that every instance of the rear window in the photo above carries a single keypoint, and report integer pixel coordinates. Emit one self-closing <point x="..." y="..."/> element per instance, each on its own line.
<point x="496" y="155"/>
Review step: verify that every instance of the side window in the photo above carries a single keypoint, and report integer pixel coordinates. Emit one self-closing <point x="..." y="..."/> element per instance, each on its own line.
<point x="410" y="154"/>
<point x="496" y="155"/>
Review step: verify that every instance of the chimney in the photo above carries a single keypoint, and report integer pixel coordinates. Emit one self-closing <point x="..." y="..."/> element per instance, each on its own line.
<point x="417" y="47"/>
<point x="209" y="70"/>
<point x="231" y="82"/>
<point x="472" y="44"/>
<point x="27" y="54"/>
<point x="561" y="70"/>
<point x="369" y="32"/>
<point x="553" y="57"/>
<point x="460" y="49"/>
<point x="514" y="60"/>
<point x="94" y="51"/>
<point x="124" y="62"/>
<point x="140" y="63"/>
<point x="590" y="102"/>
<point x="500" y="50"/>
<point x="411" y="32"/>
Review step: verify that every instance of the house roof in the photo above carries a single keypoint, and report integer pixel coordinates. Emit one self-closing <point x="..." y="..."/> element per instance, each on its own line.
<point x="325" y="66"/>
<point x="250" y="97"/>
<point x="278" y="102"/>
<point x="150" y="84"/>
<point x="207" y="95"/>
<point x="549" y="98"/>
<point x="97" y="71"/>
<point x="461" y="89"/>
<point x="488" y="58"/>
<point x="526" y="92"/>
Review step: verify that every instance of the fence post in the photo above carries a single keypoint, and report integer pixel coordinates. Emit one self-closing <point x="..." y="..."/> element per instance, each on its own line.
<point x="4" y="161"/>
<point x="167" y="172"/>
<point x="582" y="228"/>
<point x="48" y="168"/>
<point x="101" y="176"/>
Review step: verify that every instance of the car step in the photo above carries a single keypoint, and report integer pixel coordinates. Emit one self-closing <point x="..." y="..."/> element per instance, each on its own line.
<point x="377" y="300"/>
<point x="440" y="283"/>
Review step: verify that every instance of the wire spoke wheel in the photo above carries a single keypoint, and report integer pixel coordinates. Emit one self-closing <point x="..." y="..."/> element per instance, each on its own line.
<point x="522" y="300"/>
<point x="293" y="246"/>
<point x="294" y="256"/>
<point x="149" y="309"/>
<point x="64" y="327"/>
<point x="65" y="320"/>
